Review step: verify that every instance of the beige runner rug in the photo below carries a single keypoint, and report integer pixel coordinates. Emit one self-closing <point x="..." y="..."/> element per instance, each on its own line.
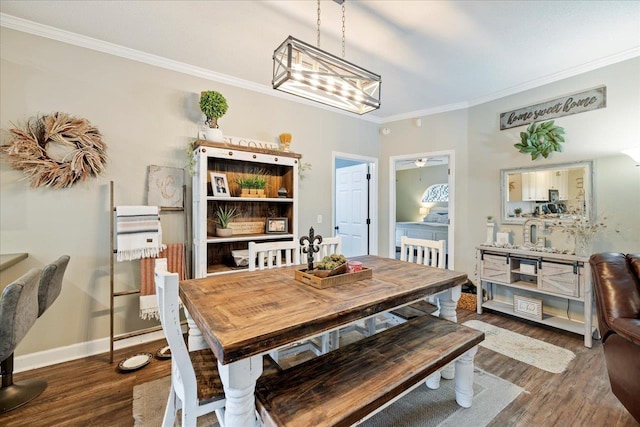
<point x="420" y="408"/>
<point x="540" y="354"/>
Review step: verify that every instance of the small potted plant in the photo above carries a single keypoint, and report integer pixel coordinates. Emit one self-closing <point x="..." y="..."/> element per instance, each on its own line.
<point x="224" y="215"/>
<point x="245" y="184"/>
<point x="214" y="106"/>
<point x="517" y="211"/>
<point x="259" y="184"/>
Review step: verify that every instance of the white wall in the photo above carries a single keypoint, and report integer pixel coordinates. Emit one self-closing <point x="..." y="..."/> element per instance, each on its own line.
<point x="147" y="116"/>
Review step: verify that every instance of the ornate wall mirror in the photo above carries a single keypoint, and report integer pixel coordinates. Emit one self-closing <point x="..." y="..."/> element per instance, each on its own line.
<point x="548" y="193"/>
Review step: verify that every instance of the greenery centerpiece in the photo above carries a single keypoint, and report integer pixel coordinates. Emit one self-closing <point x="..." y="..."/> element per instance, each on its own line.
<point x="214" y="106"/>
<point x="331" y="265"/>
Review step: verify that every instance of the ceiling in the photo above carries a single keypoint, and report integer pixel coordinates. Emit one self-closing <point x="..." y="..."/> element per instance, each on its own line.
<point x="432" y="55"/>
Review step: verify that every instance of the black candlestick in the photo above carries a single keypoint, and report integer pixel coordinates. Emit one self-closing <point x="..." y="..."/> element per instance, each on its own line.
<point x="311" y="248"/>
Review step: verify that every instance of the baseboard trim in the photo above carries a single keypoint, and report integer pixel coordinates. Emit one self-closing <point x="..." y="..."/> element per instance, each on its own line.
<point x="57" y="355"/>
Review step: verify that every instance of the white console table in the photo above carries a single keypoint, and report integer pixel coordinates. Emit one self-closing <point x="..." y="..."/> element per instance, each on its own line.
<point x="539" y="273"/>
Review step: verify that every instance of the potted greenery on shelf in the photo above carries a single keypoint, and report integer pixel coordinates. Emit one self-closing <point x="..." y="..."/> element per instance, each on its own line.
<point x="253" y="185"/>
<point x="224" y="215"/>
<point x="214" y="106"/>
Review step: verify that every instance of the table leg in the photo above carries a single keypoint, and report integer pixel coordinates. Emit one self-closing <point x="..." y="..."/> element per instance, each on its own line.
<point x="239" y="383"/>
<point x="195" y="341"/>
<point x="464" y="378"/>
<point x="448" y="303"/>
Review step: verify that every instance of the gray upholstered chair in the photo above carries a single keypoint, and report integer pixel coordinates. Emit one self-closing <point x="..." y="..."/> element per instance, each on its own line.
<point x="51" y="283"/>
<point x="18" y="312"/>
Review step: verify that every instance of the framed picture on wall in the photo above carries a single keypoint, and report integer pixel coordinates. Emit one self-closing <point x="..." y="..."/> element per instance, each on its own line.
<point x="219" y="184"/>
<point x="277" y="225"/>
<point x="554" y="196"/>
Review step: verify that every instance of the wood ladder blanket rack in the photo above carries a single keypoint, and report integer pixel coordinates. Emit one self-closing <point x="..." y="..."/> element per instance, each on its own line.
<point x="112" y="336"/>
<point x="349" y="384"/>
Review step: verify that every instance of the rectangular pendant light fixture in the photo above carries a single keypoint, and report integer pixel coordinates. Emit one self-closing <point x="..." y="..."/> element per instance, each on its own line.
<point x="307" y="71"/>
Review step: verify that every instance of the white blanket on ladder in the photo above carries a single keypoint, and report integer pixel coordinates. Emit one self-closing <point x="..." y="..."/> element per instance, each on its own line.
<point x="139" y="234"/>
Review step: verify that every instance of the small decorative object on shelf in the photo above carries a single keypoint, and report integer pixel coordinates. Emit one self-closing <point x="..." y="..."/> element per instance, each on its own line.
<point x="224" y="216"/>
<point x="214" y="106"/>
<point x="503" y="237"/>
<point x="219" y="185"/>
<point x="282" y="193"/>
<point x="526" y="306"/>
<point x="311" y="246"/>
<point x="277" y="225"/>
<point x="285" y="141"/>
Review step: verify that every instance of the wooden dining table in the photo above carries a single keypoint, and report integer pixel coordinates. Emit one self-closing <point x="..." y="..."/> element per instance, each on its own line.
<point x="245" y="315"/>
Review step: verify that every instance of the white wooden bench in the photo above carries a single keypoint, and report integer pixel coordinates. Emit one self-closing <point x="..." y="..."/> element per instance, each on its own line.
<point x="349" y="384"/>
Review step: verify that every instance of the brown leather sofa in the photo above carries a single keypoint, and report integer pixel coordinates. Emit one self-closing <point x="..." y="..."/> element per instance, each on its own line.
<point x="616" y="284"/>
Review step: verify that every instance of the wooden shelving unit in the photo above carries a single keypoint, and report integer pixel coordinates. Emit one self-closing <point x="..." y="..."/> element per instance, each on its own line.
<point x="213" y="255"/>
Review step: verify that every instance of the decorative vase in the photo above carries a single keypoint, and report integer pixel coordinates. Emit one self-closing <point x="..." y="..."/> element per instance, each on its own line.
<point x="282" y="192"/>
<point x="224" y="232"/>
<point x="490" y="229"/>
<point x="285" y="141"/>
<point x="213" y="134"/>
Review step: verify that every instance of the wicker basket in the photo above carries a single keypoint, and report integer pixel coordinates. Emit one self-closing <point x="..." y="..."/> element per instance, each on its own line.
<point x="468" y="302"/>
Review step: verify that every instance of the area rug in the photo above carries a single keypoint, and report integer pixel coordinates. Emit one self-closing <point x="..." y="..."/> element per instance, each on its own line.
<point x="540" y="354"/>
<point x="420" y="408"/>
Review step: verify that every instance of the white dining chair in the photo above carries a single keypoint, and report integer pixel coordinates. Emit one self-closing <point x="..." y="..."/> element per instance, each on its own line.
<point x="273" y="254"/>
<point x="282" y="254"/>
<point x="329" y="245"/>
<point x="196" y="387"/>
<point x="420" y="251"/>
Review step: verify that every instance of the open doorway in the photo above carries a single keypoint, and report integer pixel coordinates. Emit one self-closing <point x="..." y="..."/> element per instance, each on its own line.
<point x="417" y="205"/>
<point x="355" y="203"/>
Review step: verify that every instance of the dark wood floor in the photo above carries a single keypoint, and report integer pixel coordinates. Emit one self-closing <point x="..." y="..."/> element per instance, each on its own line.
<point x="92" y="392"/>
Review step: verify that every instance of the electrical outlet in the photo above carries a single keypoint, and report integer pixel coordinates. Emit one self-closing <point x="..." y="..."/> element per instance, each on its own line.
<point x="319" y="219"/>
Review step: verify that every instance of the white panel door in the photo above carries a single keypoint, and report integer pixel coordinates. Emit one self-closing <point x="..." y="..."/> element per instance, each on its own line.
<point x="351" y="209"/>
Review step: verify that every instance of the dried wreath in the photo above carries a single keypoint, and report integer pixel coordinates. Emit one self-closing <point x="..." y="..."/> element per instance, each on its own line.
<point x="78" y="153"/>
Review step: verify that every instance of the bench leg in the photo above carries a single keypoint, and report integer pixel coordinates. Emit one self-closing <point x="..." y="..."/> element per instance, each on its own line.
<point x="464" y="378"/>
<point x="433" y="382"/>
<point x="195" y="341"/>
<point x="239" y="383"/>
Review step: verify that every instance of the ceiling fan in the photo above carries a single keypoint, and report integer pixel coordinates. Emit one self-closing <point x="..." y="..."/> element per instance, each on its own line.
<point x="422" y="161"/>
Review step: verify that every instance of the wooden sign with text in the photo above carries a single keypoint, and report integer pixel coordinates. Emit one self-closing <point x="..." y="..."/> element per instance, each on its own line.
<point x="573" y="104"/>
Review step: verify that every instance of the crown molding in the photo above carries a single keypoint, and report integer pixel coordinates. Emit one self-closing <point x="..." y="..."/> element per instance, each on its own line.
<point x="428" y="112"/>
<point x="552" y="78"/>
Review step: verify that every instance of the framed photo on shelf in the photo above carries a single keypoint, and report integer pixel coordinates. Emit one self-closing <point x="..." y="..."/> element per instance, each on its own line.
<point x="554" y="196"/>
<point x="219" y="184"/>
<point x="277" y="225"/>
